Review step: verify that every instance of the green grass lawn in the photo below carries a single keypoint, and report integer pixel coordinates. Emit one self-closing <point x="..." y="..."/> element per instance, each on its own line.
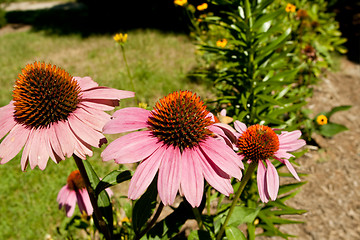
<point x="159" y="63"/>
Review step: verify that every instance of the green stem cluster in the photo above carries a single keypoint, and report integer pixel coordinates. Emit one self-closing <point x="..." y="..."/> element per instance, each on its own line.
<point x="243" y="183"/>
<point x="93" y="198"/>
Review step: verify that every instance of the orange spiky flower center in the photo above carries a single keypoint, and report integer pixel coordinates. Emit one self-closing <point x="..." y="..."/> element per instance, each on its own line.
<point x="44" y="94"/>
<point x="75" y="181"/>
<point x="180" y="119"/>
<point x="258" y="142"/>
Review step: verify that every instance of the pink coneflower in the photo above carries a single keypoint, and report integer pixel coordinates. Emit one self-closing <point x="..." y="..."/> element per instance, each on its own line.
<point x="75" y="192"/>
<point x="180" y="142"/>
<point x="54" y="115"/>
<point x="260" y="143"/>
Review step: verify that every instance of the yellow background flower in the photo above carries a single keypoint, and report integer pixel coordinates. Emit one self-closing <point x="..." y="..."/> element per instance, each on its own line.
<point x="180" y="2"/>
<point x="221" y="42"/>
<point x="202" y="7"/>
<point x="290" y="7"/>
<point x="321" y="120"/>
<point x="120" y="38"/>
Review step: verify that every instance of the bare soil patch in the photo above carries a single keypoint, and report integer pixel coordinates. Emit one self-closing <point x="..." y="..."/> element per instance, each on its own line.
<point x="332" y="193"/>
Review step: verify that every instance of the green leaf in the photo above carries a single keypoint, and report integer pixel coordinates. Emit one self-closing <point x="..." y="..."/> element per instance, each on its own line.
<point x="337" y="109"/>
<point x="113" y="178"/>
<point x="267" y="18"/>
<point x="233" y="233"/>
<point x="269" y="99"/>
<point x="243" y="214"/>
<point x="288" y="187"/>
<point x="270" y="48"/>
<point x="144" y="207"/>
<point x="104" y="203"/>
<point x="199" y="235"/>
<point x="330" y="129"/>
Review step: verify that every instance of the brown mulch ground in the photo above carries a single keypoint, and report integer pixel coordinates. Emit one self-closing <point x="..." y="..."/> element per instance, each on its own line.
<point x="332" y="193"/>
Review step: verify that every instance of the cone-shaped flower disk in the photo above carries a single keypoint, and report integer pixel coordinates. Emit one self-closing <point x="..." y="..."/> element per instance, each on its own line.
<point x="75" y="192"/>
<point x="54" y="115"/>
<point x="260" y="143"/>
<point x="180" y="142"/>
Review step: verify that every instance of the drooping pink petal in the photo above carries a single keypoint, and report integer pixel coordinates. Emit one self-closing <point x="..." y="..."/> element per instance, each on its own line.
<point x="169" y="175"/>
<point x="145" y="173"/>
<point x="13" y="143"/>
<point x="289" y="167"/>
<point x="65" y="137"/>
<point x="192" y="180"/>
<point x="229" y="132"/>
<point x="92" y="118"/>
<point x="106" y="93"/>
<point x="82" y="149"/>
<point x="38" y="155"/>
<point x="283" y="155"/>
<point x="272" y="180"/>
<point x="127" y="119"/>
<point x="84" y="132"/>
<point x="42" y="152"/>
<point x="131" y="148"/>
<point x="221" y="135"/>
<point x="7" y="121"/>
<point x="223" y="112"/>
<point x="62" y="196"/>
<point x="100" y="104"/>
<point x="240" y="127"/>
<point x="26" y="151"/>
<point x="218" y="182"/>
<point x="70" y="203"/>
<point x="289" y="141"/>
<point x="86" y="83"/>
<point x="54" y="145"/>
<point x="261" y="171"/>
<point x="223" y="156"/>
<point x="83" y="201"/>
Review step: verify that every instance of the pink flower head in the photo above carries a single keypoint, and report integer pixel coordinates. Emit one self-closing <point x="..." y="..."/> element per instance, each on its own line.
<point x="75" y="192"/>
<point x="180" y="142"/>
<point x="54" y="115"/>
<point x="260" y="143"/>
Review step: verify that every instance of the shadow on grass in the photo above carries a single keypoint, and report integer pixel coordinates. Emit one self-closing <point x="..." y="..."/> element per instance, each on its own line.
<point x="101" y="17"/>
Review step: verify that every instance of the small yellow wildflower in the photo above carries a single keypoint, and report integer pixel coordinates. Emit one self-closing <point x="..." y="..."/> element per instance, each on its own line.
<point x="120" y="38"/>
<point x="202" y="7"/>
<point x="321" y="120"/>
<point x="180" y="2"/>
<point x="143" y="105"/>
<point x="221" y="42"/>
<point x="290" y="8"/>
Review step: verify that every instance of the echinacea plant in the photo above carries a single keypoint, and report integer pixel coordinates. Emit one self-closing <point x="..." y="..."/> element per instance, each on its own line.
<point x="54" y="115"/>
<point x="179" y="143"/>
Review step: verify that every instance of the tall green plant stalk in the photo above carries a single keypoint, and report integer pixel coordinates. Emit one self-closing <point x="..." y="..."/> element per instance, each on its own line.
<point x="250" y="170"/>
<point x="93" y="198"/>
<point x="129" y="72"/>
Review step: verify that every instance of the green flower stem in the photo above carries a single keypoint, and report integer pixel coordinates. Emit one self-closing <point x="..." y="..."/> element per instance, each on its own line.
<point x="197" y="215"/>
<point x="151" y="223"/>
<point x="208" y="207"/>
<point x="93" y="198"/>
<point x="128" y="71"/>
<point x="244" y="181"/>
